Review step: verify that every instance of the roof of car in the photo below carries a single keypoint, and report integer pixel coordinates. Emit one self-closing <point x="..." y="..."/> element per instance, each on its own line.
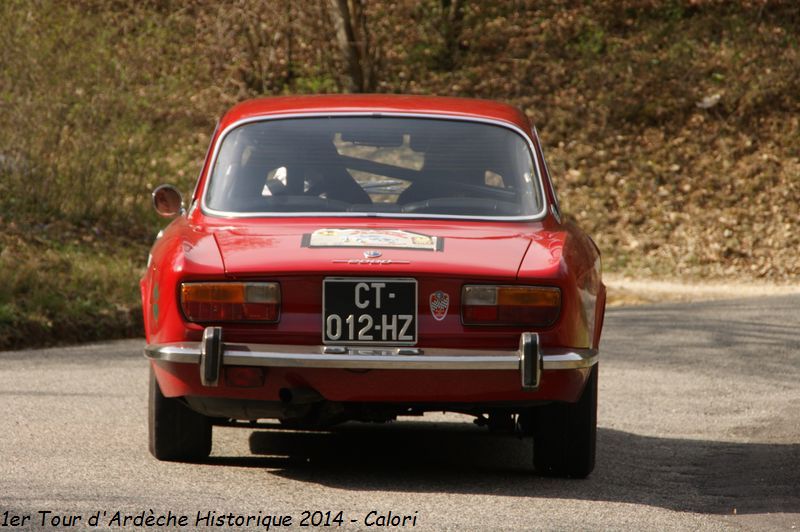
<point x="376" y="103"/>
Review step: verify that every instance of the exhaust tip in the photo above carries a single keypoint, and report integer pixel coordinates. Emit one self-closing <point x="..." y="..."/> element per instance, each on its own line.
<point x="285" y="395"/>
<point x="299" y="396"/>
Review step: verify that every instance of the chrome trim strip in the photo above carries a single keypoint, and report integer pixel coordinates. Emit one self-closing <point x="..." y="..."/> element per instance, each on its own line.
<point x="205" y="209"/>
<point x="315" y="357"/>
<point x="575" y="359"/>
<point x="372" y="361"/>
<point x="371" y="262"/>
<point x="202" y="168"/>
<point x="555" y="207"/>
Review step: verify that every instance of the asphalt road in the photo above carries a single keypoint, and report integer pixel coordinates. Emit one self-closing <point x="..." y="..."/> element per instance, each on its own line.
<point x="699" y="429"/>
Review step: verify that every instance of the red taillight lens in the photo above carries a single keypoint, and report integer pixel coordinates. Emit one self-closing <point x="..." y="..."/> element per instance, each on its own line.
<point x="535" y="306"/>
<point x="212" y="302"/>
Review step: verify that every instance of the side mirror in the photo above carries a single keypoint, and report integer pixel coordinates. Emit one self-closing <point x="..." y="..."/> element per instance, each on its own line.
<point x="167" y="201"/>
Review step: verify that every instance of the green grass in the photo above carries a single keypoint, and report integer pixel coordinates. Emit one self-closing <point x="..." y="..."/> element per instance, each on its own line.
<point x="54" y="292"/>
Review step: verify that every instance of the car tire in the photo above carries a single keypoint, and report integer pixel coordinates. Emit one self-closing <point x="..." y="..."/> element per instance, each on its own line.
<point x="177" y="433"/>
<point x="564" y="434"/>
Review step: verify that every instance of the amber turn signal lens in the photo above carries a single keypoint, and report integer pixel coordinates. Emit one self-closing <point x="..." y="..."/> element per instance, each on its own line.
<point x="532" y="296"/>
<point x="215" y="302"/>
<point x="532" y="306"/>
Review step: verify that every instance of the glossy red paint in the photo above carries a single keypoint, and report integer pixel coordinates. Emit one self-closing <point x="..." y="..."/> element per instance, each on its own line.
<point x="375" y="104"/>
<point x="546" y="252"/>
<point x="271" y="251"/>
<point x="246" y="248"/>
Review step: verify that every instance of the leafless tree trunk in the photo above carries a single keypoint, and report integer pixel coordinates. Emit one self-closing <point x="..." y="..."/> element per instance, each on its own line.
<point x="289" y="45"/>
<point x="452" y="25"/>
<point x="350" y="23"/>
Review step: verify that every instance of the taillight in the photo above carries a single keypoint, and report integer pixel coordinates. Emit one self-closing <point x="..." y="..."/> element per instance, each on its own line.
<point x="212" y="302"/>
<point x="534" y="306"/>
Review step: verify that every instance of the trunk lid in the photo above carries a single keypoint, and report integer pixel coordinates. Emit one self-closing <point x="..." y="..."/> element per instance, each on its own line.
<point x="470" y="249"/>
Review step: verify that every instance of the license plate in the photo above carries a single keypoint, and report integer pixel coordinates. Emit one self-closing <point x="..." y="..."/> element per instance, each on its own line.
<point x="375" y="311"/>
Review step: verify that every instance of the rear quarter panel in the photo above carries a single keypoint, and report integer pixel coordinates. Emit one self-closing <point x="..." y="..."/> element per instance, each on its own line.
<point x="183" y="252"/>
<point x="578" y="274"/>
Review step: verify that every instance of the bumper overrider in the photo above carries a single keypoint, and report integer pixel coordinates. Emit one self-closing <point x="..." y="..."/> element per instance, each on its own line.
<point x="211" y="354"/>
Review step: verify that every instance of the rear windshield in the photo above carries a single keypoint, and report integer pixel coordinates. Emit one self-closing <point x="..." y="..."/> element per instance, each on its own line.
<point x="385" y="165"/>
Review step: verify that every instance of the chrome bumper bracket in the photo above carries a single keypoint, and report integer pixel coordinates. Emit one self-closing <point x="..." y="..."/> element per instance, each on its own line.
<point x="211" y="352"/>
<point x="530" y="361"/>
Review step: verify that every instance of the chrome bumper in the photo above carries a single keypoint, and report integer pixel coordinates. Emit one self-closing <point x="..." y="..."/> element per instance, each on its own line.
<point x="529" y="359"/>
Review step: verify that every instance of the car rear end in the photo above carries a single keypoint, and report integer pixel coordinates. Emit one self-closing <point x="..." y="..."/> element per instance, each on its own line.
<point x="325" y="307"/>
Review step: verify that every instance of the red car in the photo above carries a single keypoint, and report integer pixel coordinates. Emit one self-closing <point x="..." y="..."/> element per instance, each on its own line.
<point x="362" y="258"/>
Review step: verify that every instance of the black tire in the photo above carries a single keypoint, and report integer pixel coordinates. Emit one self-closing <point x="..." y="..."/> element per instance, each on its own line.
<point x="177" y="433"/>
<point x="564" y="435"/>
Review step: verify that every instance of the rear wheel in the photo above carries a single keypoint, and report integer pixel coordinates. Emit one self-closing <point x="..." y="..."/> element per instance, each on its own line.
<point x="176" y="432"/>
<point x="564" y="434"/>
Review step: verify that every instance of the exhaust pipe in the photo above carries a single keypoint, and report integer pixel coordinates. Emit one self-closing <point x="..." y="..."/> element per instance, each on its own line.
<point x="299" y="396"/>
